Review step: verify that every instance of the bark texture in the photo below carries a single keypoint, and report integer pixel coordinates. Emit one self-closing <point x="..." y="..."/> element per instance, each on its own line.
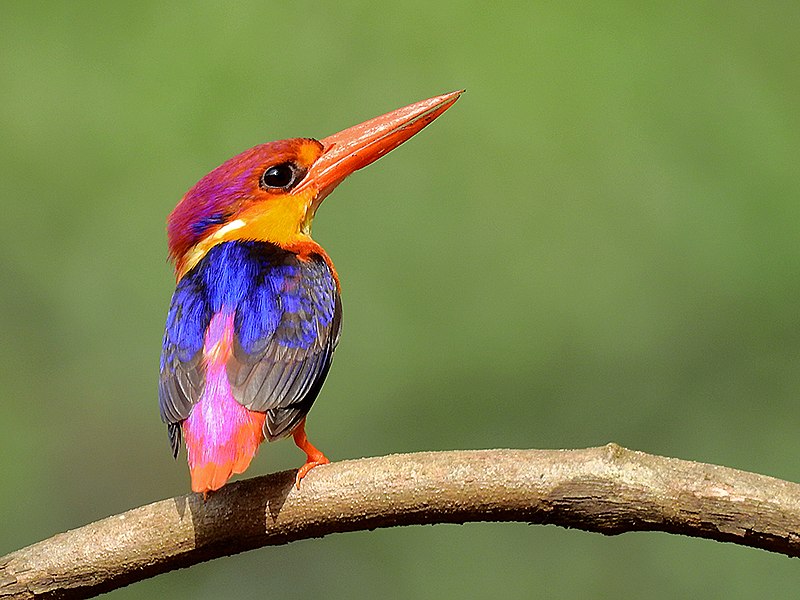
<point x="609" y="490"/>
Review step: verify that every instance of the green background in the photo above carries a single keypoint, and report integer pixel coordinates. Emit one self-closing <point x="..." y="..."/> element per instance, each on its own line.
<point x="598" y="242"/>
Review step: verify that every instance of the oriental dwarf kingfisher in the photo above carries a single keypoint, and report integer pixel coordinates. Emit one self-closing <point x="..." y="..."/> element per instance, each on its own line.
<point x="256" y="313"/>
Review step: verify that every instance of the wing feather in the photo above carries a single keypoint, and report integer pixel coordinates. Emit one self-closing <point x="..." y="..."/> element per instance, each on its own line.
<point x="182" y="376"/>
<point x="278" y="376"/>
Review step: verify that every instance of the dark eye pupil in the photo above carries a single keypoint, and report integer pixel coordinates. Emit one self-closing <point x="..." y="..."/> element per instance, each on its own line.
<point x="278" y="176"/>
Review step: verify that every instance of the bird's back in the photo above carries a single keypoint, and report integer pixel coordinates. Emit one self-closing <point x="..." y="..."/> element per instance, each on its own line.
<point x="249" y="340"/>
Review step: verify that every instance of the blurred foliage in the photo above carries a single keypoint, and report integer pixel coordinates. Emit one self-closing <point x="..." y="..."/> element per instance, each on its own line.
<point x="598" y="242"/>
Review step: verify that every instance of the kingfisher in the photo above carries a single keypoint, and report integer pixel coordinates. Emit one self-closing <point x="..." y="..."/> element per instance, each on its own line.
<point x="257" y="312"/>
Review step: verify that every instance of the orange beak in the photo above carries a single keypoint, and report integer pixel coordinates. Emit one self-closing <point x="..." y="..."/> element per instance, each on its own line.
<point x="356" y="147"/>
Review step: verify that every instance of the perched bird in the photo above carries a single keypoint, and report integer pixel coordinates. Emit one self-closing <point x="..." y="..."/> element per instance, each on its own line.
<point x="256" y="312"/>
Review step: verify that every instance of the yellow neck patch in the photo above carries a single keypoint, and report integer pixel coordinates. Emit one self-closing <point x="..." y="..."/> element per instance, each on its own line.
<point x="282" y="220"/>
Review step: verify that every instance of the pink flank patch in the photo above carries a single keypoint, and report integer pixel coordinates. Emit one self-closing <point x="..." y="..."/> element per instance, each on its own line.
<point x="222" y="436"/>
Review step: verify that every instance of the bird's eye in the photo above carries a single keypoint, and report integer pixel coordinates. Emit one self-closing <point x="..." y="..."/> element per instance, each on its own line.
<point x="281" y="177"/>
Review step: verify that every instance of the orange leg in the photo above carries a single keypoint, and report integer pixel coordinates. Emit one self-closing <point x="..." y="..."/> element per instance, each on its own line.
<point x="313" y="456"/>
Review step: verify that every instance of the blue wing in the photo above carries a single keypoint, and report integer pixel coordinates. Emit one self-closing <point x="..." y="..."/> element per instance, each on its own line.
<point x="286" y="331"/>
<point x="182" y="373"/>
<point x="287" y="324"/>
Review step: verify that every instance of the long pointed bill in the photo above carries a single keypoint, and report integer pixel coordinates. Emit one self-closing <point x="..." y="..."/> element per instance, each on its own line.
<point x="356" y="147"/>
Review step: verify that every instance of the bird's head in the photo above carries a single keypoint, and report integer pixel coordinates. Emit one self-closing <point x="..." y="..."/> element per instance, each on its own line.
<point x="271" y="192"/>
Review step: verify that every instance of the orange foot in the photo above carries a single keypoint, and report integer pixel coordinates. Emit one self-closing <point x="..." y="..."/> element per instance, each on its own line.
<point x="313" y="456"/>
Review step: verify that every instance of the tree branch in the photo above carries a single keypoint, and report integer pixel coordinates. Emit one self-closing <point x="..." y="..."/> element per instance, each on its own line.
<point x="609" y="490"/>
